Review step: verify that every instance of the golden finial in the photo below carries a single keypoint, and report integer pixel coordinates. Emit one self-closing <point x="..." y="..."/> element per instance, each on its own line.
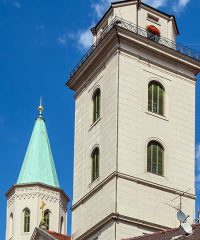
<point x="40" y="108"/>
<point x="42" y="208"/>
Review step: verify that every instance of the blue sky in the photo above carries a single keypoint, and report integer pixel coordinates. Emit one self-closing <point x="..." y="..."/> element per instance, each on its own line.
<point x="40" y="42"/>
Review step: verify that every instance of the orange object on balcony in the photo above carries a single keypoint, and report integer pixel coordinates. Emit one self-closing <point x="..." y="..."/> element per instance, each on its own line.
<point x="152" y="29"/>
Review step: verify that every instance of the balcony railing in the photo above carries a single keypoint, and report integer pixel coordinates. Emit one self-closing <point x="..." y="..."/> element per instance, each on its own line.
<point x="142" y="32"/>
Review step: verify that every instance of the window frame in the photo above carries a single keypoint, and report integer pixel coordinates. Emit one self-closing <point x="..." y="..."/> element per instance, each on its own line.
<point x="61" y="225"/>
<point x="149" y="162"/>
<point x="10" y="233"/>
<point x="96" y="105"/>
<point x="47" y="220"/>
<point x="154" y="98"/>
<point x="26" y="220"/>
<point x="95" y="163"/>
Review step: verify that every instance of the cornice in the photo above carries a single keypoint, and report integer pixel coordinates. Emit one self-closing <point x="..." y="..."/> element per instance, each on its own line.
<point x="97" y="57"/>
<point x="116" y="218"/>
<point x="27" y="191"/>
<point x="41" y="185"/>
<point x="113" y="39"/>
<point x="168" y="53"/>
<point x="37" y="193"/>
<point x="132" y="179"/>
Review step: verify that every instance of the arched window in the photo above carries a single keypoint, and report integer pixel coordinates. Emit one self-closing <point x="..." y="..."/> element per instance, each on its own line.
<point x="47" y="218"/>
<point x="96" y="105"/>
<point x="61" y="225"/>
<point x="95" y="164"/>
<point x="26" y="220"/>
<point x="10" y="226"/>
<point x="156" y="98"/>
<point x="155" y="158"/>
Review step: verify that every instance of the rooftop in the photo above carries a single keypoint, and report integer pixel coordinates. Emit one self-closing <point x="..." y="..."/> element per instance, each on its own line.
<point x="48" y="235"/>
<point x="38" y="165"/>
<point x="59" y="236"/>
<point x="172" y="234"/>
<point x="121" y="23"/>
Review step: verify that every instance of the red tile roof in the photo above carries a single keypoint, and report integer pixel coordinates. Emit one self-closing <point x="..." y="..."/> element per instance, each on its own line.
<point x="175" y="233"/>
<point x="59" y="236"/>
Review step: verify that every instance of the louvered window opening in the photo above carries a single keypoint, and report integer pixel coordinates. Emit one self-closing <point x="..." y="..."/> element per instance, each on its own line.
<point x="156" y="98"/>
<point x="95" y="164"/>
<point x="155" y="158"/>
<point x="96" y="105"/>
<point x="27" y="221"/>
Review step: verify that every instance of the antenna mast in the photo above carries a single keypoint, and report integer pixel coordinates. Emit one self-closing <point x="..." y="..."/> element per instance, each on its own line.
<point x="180" y="196"/>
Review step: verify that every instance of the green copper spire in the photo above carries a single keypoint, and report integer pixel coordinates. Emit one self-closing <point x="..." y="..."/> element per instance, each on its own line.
<point x="38" y="165"/>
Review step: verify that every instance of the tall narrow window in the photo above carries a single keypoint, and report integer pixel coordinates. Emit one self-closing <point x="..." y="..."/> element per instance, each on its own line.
<point x="156" y="98"/>
<point x="95" y="164"/>
<point x="26" y="220"/>
<point x="46" y="218"/>
<point x="155" y="158"/>
<point x="96" y="105"/>
<point x="61" y="225"/>
<point x="10" y="226"/>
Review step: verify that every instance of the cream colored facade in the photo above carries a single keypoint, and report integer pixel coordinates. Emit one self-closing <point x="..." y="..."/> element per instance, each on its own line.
<point x="31" y="196"/>
<point x="139" y="16"/>
<point x="126" y="200"/>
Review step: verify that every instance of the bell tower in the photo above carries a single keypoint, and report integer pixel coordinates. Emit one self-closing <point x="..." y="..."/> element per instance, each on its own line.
<point x="36" y="199"/>
<point x="134" y="125"/>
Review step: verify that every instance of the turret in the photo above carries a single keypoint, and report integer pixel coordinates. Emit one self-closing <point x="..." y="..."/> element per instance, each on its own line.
<point x="36" y="199"/>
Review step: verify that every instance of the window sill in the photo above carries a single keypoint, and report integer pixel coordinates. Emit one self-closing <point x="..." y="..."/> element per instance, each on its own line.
<point x="95" y="123"/>
<point x="94" y="183"/>
<point x="157" y="115"/>
<point x="155" y="175"/>
<point x="25" y="233"/>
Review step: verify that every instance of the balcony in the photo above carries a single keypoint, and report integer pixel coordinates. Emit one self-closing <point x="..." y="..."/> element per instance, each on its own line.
<point x="141" y="32"/>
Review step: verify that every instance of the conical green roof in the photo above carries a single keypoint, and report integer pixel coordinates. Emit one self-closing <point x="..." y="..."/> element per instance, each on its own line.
<point x="38" y="165"/>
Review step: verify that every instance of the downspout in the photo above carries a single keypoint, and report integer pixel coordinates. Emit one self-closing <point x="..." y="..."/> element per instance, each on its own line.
<point x="117" y="143"/>
<point x="137" y="17"/>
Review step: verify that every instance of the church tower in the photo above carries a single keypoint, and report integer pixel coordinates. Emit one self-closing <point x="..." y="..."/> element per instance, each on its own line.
<point x="36" y="199"/>
<point x="134" y="126"/>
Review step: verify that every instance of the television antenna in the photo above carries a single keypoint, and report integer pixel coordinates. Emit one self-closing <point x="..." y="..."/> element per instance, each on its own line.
<point x="181" y="216"/>
<point x="180" y="196"/>
<point x="176" y="208"/>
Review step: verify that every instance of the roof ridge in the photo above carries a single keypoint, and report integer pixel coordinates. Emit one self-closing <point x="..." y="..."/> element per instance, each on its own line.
<point x="160" y="232"/>
<point x="152" y="234"/>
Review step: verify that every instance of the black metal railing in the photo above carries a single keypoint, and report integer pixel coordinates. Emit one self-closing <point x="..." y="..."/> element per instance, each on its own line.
<point x="139" y="31"/>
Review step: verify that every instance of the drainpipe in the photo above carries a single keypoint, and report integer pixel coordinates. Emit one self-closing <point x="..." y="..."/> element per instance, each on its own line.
<point x="137" y="17"/>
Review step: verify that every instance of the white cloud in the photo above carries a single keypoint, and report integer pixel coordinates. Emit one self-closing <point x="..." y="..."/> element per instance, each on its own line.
<point x="180" y="5"/>
<point x="101" y="6"/>
<point x="84" y="38"/>
<point x="62" y="39"/>
<point x="183" y="3"/>
<point x="176" y="5"/>
<point x="156" y="3"/>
